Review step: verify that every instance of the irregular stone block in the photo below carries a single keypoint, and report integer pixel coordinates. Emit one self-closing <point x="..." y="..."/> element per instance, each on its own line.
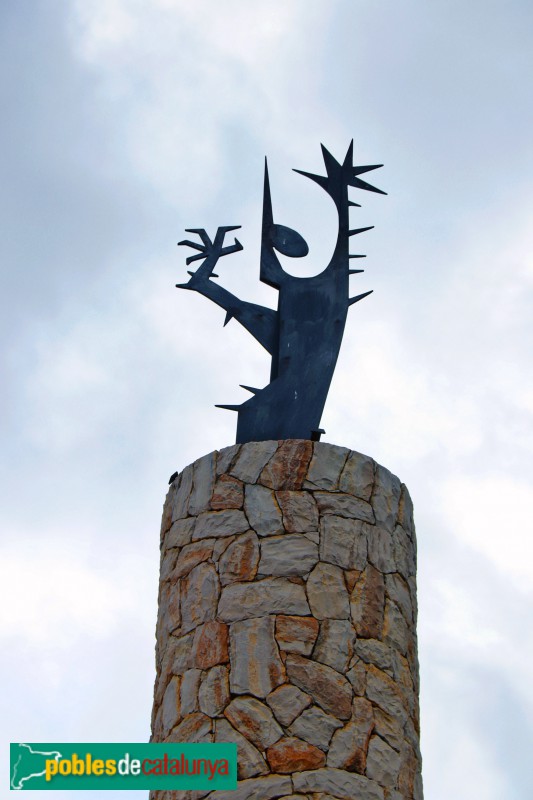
<point x="199" y="596"/>
<point x="191" y="555"/>
<point x="256" y="667"/>
<point x="181" y="496"/>
<point x="402" y="671"/>
<point x="328" y="688"/>
<point x="326" y="466"/>
<point x="367" y="603"/>
<point x="262" y="510"/>
<point x="267" y="788"/>
<point x="315" y="726"/>
<point x="358" y="476"/>
<point x="344" y="505"/>
<point x="291" y="754"/>
<point x="327" y="593"/>
<point x="384" y="692"/>
<point x="195" y="728"/>
<point x="251" y="459"/>
<point x="190" y="683"/>
<point x="291" y="554"/>
<point x="268" y="596"/>
<point x="399" y="591"/>
<point x="169" y="618"/>
<point x="214" y="694"/>
<point x="287" y="702"/>
<point x="382" y="762"/>
<point x="350" y="744"/>
<point x="239" y="561"/>
<point x="350" y="577"/>
<point x="395" y="630"/>
<point x="409" y="767"/>
<point x="220" y="523"/>
<point x="296" y="634"/>
<point x="338" y="783"/>
<point x="226" y="457"/>
<point x="250" y="762"/>
<point x="372" y="651"/>
<point x="386" y="498"/>
<point x="381" y="549"/>
<point x="334" y="646"/>
<point x="221" y="545"/>
<point x="180" y="533"/>
<point x="300" y="512"/>
<point x="167" y="563"/>
<point x="404" y="553"/>
<point x="210" y="645"/>
<point x="418" y="793"/>
<point x="303" y="797"/>
<point x="166" y="519"/>
<point x="405" y="511"/>
<point x="343" y="542"/>
<point x="203" y="481"/>
<point x="388" y="728"/>
<point x="357" y="677"/>
<point x="170" y="714"/>
<point x="181" y="649"/>
<point x="254" y="720"/>
<point x="175" y="795"/>
<point x="287" y="468"/>
<point x="164" y="671"/>
<point x="228" y="493"/>
<point x="158" y="732"/>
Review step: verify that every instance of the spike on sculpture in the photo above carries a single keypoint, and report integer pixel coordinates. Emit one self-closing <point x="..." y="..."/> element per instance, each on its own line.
<point x="304" y="335"/>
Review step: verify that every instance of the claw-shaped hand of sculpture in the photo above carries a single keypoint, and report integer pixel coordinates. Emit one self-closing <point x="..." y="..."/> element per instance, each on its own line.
<point x="304" y="335"/>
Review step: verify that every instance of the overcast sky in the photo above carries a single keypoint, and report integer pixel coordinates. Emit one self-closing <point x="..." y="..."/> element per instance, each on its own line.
<point x="126" y="121"/>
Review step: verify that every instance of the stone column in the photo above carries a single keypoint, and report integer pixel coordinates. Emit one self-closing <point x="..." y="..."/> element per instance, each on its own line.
<point x="287" y="622"/>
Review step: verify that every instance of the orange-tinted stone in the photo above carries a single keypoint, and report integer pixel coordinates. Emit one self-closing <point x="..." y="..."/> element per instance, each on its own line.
<point x="367" y="604"/>
<point x="239" y="561"/>
<point x="228" y="493"/>
<point x="296" y="634"/>
<point x="328" y="688"/>
<point x="350" y="577"/>
<point x="191" y="555"/>
<point x="210" y="645"/>
<point x="194" y="728"/>
<point x="300" y="512"/>
<point x="408" y="769"/>
<point x="294" y="755"/>
<point x="287" y="468"/>
<point x="349" y="745"/>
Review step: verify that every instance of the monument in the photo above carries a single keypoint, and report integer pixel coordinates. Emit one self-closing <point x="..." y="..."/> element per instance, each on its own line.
<point x="287" y="602"/>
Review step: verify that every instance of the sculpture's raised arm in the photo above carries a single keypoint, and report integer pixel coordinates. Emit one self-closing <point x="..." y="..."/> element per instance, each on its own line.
<point x="260" y="321"/>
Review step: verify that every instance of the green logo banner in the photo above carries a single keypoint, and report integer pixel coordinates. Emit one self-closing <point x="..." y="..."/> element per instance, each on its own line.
<point x="123" y="766"/>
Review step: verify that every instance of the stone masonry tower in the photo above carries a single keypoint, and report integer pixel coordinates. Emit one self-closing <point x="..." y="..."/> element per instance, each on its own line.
<point x="287" y="622"/>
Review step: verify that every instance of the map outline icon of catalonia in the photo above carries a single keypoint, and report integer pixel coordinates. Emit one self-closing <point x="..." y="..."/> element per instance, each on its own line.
<point x="26" y="756"/>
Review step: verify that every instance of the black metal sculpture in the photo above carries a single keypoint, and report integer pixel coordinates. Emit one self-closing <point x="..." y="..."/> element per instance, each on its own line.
<point x="304" y="335"/>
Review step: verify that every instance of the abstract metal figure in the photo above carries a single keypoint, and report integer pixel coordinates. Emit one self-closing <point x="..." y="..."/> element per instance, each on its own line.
<point x="304" y="335"/>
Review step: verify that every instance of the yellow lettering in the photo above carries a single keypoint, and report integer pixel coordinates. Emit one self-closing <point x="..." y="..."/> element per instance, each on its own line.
<point x="78" y="765"/>
<point x="98" y="766"/>
<point x="110" y="766"/>
<point x="50" y="768"/>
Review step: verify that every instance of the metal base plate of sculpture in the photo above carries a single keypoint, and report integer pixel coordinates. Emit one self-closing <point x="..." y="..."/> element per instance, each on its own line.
<point x="304" y="334"/>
